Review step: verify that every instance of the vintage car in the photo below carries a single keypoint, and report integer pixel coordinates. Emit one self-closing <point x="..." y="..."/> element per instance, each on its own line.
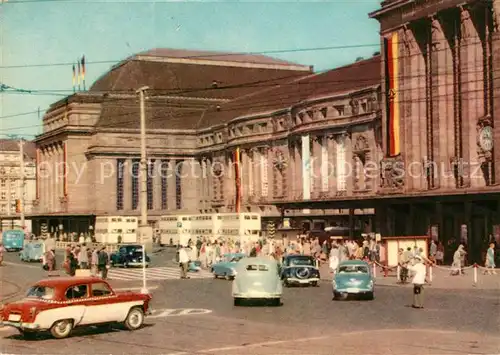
<point x="353" y="277"/>
<point x="33" y="251"/>
<point x="226" y="268"/>
<point x="129" y="256"/>
<point x="257" y="279"/>
<point x="13" y="240"/>
<point x="60" y="304"/>
<point x="299" y="270"/>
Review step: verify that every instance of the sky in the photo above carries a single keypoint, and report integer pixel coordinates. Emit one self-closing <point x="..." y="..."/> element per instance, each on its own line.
<point x="39" y="39"/>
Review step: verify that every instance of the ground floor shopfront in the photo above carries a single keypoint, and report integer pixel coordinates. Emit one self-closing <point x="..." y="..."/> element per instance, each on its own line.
<point x="59" y="225"/>
<point x="472" y="219"/>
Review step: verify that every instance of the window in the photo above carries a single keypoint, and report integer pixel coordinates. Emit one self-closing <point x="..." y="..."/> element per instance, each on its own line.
<point x="76" y="292"/>
<point x="46" y="293"/>
<point x="119" y="183"/>
<point x="257" y="268"/>
<point x="135" y="183"/>
<point x="101" y="289"/>
<point x="164" y="184"/>
<point x="2" y="183"/>
<point x="178" y="185"/>
<point x="4" y="195"/>
<point x="357" y="269"/>
<point x="150" y="190"/>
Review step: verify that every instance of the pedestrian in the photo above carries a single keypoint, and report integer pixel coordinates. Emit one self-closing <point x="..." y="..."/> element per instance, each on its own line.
<point x="334" y="259"/>
<point x="458" y="257"/>
<point x="50" y="260"/>
<point x="2" y="250"/>
<point x="490" y="260"/>
<point x="94" y="259"/>
<point x="103" y="263"/>
<point x="183" y="262"/>
<point x="433" y="251"/>
<point x="83" y="257"/>
<point x="71" y="264"/>
<point x="418" y="281"/>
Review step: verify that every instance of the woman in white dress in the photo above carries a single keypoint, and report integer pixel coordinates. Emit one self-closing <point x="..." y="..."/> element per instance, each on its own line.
<point x="334" y="259"/>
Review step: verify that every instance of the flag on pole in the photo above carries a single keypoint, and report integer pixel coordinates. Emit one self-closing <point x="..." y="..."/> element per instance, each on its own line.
<point x="83" y="71"/>
<point x="79" y="74"/>
<point x="74" y="78"/>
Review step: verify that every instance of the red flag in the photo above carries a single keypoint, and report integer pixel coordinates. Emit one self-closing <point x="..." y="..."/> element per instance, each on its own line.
<point x="79" y="73"/>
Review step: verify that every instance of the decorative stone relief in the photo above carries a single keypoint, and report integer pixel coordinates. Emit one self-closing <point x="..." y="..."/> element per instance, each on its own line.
<point x="279" y="161"/>
<point x="392" y="173"/>
<point x="354" y="104"/>
<point x="484" y="140"/>
<point x="465" y="24"/>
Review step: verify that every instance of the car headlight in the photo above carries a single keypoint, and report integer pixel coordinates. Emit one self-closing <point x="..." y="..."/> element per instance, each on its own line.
<point x="370" y="284"/>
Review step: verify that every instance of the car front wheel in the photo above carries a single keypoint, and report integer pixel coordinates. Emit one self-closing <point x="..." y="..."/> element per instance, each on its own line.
<point x="61" y="329"/>
<point x="370" y="296"/>
<point x="135" y="319"/>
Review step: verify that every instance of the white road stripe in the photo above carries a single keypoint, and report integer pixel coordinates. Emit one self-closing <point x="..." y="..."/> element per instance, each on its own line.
<point x="155" y="273"/>
<point x="23" y="265"/>
<point x="134" y="289"/>
<point x="254" y="345"/>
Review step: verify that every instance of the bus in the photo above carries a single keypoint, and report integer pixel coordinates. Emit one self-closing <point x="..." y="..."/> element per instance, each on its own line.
<point x="218" y="226"/>
<point x="170" y="229"/>
<point x="239" y="226"/>
<point x="116" y="229"/>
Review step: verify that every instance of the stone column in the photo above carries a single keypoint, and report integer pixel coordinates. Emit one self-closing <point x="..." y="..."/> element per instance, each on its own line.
<point x="415" y="114"/>
<point x="299" y="188"/>
<point x="229" y="183"/>
<point x="264" y="172"/>
<point x="349" y="154"/>
<point x="127" y="185"/>
<point x="495" y="50"/>
<point x="332" y="164"/>
<point x="244" y="176"/>
<point x="290" y="172"/>
<point x="472" y="95"/>
<point x="316" y="162"/>
<point x="157" y="185"/>
<point x="256" y="173"/>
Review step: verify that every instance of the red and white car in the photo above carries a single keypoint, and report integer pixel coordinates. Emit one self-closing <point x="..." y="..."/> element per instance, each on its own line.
<point x="59" y="304"/>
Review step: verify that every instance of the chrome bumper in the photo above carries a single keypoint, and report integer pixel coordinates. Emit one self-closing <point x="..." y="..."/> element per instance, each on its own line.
<point x="352" y="290"/>
<point x="303" y="281"/>
<point x="137" y="263"/>
<point x="19" y="325"/>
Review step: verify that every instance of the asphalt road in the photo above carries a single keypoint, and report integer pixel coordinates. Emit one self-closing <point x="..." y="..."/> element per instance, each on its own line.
<point x="197" y="316"/>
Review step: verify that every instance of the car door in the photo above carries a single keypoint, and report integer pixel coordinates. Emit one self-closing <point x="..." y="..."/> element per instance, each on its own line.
<point x="103" y="306"/>
<point x="77" y="297"/>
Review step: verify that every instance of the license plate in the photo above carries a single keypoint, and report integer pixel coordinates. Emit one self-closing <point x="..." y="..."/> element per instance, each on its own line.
<point x="304" y="281"/>
<point x="352" y="290"/>
<point x="14" y="317"/>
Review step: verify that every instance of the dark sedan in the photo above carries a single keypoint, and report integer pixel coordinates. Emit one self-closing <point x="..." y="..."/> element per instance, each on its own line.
<point x="299" y="270"/>
<point x="129" y="256"/>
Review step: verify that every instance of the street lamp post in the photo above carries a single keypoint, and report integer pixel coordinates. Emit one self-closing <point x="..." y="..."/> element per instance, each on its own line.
<point x="145" y="231"/>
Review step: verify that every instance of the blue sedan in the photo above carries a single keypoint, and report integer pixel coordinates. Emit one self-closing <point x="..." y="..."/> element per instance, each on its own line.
<point x="353" y="277"/>
<point x="227" y="267"/>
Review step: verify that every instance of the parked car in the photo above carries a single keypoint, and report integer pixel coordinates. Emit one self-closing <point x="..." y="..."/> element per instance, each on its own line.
<point x="299" y="270"/>
<point x="60" y="304"/>
<point x="226" y="268"/>
<point x="257" y="279"/>
<point x="353" y="277"/>
<point x="33" y="251"/>
<point x="129" y="256"/>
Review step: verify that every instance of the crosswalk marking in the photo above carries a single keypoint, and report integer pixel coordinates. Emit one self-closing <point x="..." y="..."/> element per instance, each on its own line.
<point x="154" y="273"/>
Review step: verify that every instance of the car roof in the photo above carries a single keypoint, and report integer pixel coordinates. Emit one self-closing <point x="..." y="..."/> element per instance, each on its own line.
<point x="353" y="262"/>
<point x="293" y="256"/>
<point x="257" y="260"/>
<point x="67" y="281"/>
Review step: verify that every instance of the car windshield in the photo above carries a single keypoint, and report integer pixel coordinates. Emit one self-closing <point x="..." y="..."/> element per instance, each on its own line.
<point x="43" y="292"/>
<point x="257" y="268"/>
<point x="136" y="254"/>
<point x="356" y="269"/>
<point x="301" y="261"/>
<point x="235" y="259"/>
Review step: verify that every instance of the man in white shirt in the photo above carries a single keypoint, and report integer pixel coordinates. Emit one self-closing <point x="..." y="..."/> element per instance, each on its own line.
<point x="183" y="262"/>
<point x="420" y="273"/>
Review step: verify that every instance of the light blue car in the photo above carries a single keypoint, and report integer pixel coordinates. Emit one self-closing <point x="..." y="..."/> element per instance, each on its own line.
<point x="353" y="277"/>
<point x="33" y="251"/>
<point x="227" y="267"/>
